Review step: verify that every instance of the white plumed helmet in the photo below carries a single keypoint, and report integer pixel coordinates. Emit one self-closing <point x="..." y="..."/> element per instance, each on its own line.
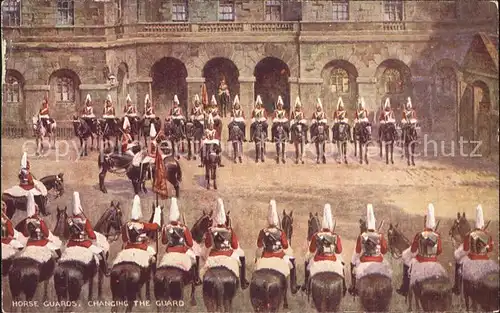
<point x="77" y="204"/>
<point x="327" y="217"/>
<point x="408" y="103"/>
<point x="298" y="104"/>
<point x="272" y="215"/>
<point x="319" y="104"/>
<point x="479" y="217"/>
<point x="259" y="100"/>
<point x="196" y="98"/>
<point x="24" y="160"/>
<point x="152" y="131"/>
<point x="146" y="99"/>
<point x="370" y="217"/>
<point x="236" y="100"/>
<point x="176" y="99"/>
<point x="108" y="98"/>
<point x="213" y="100"/>
<point x="136" y="213"/>
<point x="430" y="221"/>
<point x="31" y="205"/>
<point x="126" y="123"/>
<point x="362" y="102"/>
<point x="387" y="103"/>
<point x="88" y="98"/>
<point x="210" y="119"/>
<point x="174" y="214"/>
<point x="340" y="103"/>
<point x="220" y="213"/>
<point x="280" y="100"/>
<point x="129" y="99"/>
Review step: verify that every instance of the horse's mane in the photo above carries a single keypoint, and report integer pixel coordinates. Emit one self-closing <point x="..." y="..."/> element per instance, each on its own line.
<point x="104" y="217"/>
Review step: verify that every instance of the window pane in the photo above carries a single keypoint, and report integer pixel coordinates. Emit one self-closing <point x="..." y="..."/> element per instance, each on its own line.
<point x="11" y="13"/>
<point x="393" y="10"/>
<point x="65" y="12"/>
<point x="341" y="11"/>
<point x="179" y="12"/>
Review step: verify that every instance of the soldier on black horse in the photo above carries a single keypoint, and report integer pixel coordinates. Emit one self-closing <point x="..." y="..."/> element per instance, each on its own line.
<point x="224" y="96"/>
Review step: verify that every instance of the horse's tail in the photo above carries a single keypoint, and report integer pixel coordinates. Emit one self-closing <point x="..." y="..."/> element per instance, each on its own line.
<point x="24" y="278"/>
<point x="326" y="290"/>
<point x="487" y="291"/>
<point x="213" y="287"/>
<point x="375" y="292"/>
<point x="436" y="294"/>
<point x="61" y="283"/>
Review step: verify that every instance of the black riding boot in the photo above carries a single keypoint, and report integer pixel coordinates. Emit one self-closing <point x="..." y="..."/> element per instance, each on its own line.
<point x="405" y="285"/>
<point x="103" y="264"/>
<point x="293" y="278"/>
<point x="458" y="280"/>
<point x="344" y="286"/>
<point x="58" y="253"/>
<point x="251" y="132"/>
<point x="243" y="280"/>
<point x="201" y="156"/>
<point x="352" y="290"/>
<point x="196" y="272"/>
<point x="306" y="279"/>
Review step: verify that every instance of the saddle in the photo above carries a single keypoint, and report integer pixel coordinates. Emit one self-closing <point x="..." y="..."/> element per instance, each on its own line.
<point x="178" y="260"/>
<point x="76" y="253"/>
<point x="140" y="257"/>
<point x="326" y="266"/>
<point x="221" y="261"/>
<point x="120" y="160"/>
<point x="278" y="264"/>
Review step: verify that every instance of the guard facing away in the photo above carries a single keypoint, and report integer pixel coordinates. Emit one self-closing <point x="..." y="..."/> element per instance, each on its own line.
<point x="9" y="235"/>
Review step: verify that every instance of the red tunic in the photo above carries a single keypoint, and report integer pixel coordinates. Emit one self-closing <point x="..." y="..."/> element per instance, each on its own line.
<point x="269" y="254"/>
<point x="264" y="113"/>
<point x="415" y="244"/>
<point x="138" y="245"/>
<point x="187" y="237"/>
<point x="171" y="111"/>
<point x="413" y="114"/>
<point x="366" y="258"/>
<point x="10" y="233"/>
<point x="356" y="115"/>
<point x="474" y="256"/>
<point x="276" y="113"/>
<point x="45" y="233"/>
<point x="108" y="111"/>
<point x="325" y="257"/>
<point x="131" y="108"/>
<point x="45" y="109"/>
<point x="382" y="115"/>
<point x="126" y="138"/>
<point x="238" y="114"/>
<point x="209" y="243"/>
<point x="29" y="185"/>
<point x="88" y="230"/>
<point x="338" y="113"/>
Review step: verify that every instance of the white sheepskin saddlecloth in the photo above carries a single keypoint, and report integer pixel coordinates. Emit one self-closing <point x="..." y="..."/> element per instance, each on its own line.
<point x="366" y="268"/>
<point x="277" y="264"/>
<point x="474" y="270"/>
<point x="407" y="256"/>
<point x="178" y="260"/>
<point x="39" y="254"/>
<point x="76" y="253"/>
<point x="137" y="256"/>
<point x="17" y="191"/>
<point x="422" y="270"/>
<point x="230" y="263"/>
<point x="325" y="266"/>
<point x="8" y="251"/>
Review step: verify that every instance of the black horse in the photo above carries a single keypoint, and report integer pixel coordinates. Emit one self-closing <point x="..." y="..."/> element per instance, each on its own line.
<point x="410" y="137"/>
<point x="362" y="138"/>
<point x="299" y="141"/>
<point x="224" y="102"/>
<point x="320" y="139"/>
<point x="388" y="135"/>
<point x="145" y="127"/>
<point x="341" y="135"/>
<point x="174" y="130"/>
<point x="236" y="137"/>
<point x="83" y="131"/>
<point x="259" y="138"/>
<point x="106" y="129"/>
<point x="280" y="138"/>
<point x="211" y="155"/>
<point x="194" y="134"/>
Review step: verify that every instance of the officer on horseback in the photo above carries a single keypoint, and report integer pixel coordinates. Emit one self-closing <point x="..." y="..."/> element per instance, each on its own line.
<point x="280" y="117"/>
<point x="476" y="246"/>
<point x="273" y="242"/>
<point x="340" y="115"/>
<point x="43" y="114"/>
<point x="36" y="229"/>
<point x="325" y="244"/>
<point x="409" y="114"/>
<point x="370" y="247"/>
<point x="197" y="112"/>
<point x="386" y="116"/>
<point x="149" y="110"/>
<point x="130" y="110"/>
<point x="82" y="234"/>
<point x="25" y="178"/>
<point x="88" y="111"/>
<point x="238" y="117"/>
<point x="223" y="92"/>
<point x="223" y="241"/>
<point x="8" y="233"/>
<point x="127" y="141"/>
<point x="258" y="115"/>
<point x="109" y="112"/>
<point x="298" y="118"/>
<point x="176" y="116"/>
<point x="134" y="232"/>
<point x="319" y="117"/>
<point x="209" y="137"/>
<point x="361" y="115"/>
<point x="426" y="244"/>
<point x="177" y="237"/>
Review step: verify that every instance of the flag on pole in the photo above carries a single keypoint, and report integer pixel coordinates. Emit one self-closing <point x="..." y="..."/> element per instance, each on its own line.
<point x="160" y="186"/>
<point x="204" y="95"/>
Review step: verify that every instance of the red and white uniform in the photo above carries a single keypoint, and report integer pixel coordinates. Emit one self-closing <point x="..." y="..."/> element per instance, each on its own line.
<point x="322" y="256"/>
<point x="361" y="115"/>
<point x="209" y="242"/>
<point x="126" y="141"/>
<point x="370" y="245"/>
<point x="419" y="241"/>
<point x="130" y="110"/>
<point x="280" y="116"/>
<point x="377" y="257"/>
<point x="186" y="235"/>
<point x="319" y="117"/>
<point x="44" y="111"/>
<point x="282" y="240"/>
<point x="7" y="230"/>
<point x="144" y="227"/>
<point x="409" y="116"/>
<point x="340" y="115"/>
<point x="237" y="115"/>
<point x="259" y="115"/>
<point x="108" y="112"/>
<point x="75" y="240"/>
<point x="88" y="112"/>
<point x="297" y="116"/>
<point x="41" y="238"/>
<point x="149" y="112"/>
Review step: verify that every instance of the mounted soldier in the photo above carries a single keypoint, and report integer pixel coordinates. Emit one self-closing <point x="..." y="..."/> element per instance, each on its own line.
<point x="127" y="141"/>
<point x="26" y="180"/>
<point x="36" y="229"/>
<point x="149" y="110"/>
<point x="426" y="245"/>
<point x="43" y="114"/>
<point x="210" y="137"/>
<point x="361" y="115"/>
<point x="409" y="114"/>
<point x="197" y="112"/>
<point x="223" y="95"/>
<point x="324" y="246"/>
<point x="319" y="117"/>
<point x="88" y="112"/>
<point x="8" y="232"/>
<point x="370" y="248"/>
<point x="134" y="232"/>
<point x="223" y="242"/>
<point x="340" y="115"/>
<point x="108" y="113"/>
<point x="178" y="239"/>
<point x="386" y="116"/>
<point x="258" y="115"/>
<point x="82" y="234"/>
<point x="238" y="117"/>
<point x="298" y="118"/>
<point x="476" y="246"/>
<point x="130" y="110"/>
<point x="280" y="117"/>
<point x="175" y="113"/>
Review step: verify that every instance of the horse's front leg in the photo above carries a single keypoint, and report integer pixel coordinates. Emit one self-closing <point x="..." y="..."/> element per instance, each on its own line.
<point x="207" y="175"/>
<point x="387" y="152"/>
<point x="344" y="151"/>
<point x="46" y="290"/>
<point x="91" y="288"/>
<point x="413" y="153"/>
<point x="366" y="152"/>
<point x="278" y="152"/>
<point x="392" y="152"/>
<point x="100" y="276"/>
<point x="407" y="153"/>
<point x="235" y="151"/>
<point x="148" y="288"/>
<point x="285" y="300"/>
<point x="380" y="146"/>
<point x="190" y="152"/>
<point x="214" y="176"/>
<point x="409" y="297"/>
<point x="102" y="176"/>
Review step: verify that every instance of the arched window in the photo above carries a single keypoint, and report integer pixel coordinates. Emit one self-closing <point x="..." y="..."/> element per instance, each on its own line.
<point x="446" y="82"/>
<point x="339" y="81"/>
<point x="65" y="91"/>
<point x="12" y="90"/>
<point x="393" y="81"/>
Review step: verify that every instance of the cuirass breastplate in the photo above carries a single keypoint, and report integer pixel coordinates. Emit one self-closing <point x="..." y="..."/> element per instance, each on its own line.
<point x="370" y="244"/>
<point x="299" y="115"/>
<point x="259" y="113"/>
<point x="136" y="232"/>
<point x="361" y="114"/>
<point x="109" y="110"/>
<point x="427" y="244"/>
<point x="478" y="242"/>
<point x="149" y="111"/>
<point x="88" y="110"/>
<point x="326" y="242"/>
<point x="408" y="114"/>
<point x="272" y="240"/>
<point x="280" y="114"/>
<point x="176" y="111"/>
<point x="77" y="228"/>
<point x="34" y="226"/>
<point x="221" y="238"/>
<point x="130" y="109"/>
<point x="175" y="236"/>
<point x="237" y="113"/>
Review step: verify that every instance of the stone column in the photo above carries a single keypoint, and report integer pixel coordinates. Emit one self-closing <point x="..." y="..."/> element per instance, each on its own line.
<point x="310" y="90"/>
<point x="194" y="87"/>
<point x="138" y="89"/>
<point x="294" y="90"/>
<point x="247" y="96"/>
<point x="367" y="89"/>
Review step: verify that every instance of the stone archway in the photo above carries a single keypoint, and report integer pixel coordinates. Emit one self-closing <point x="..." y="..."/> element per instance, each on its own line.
<point x="482" y="105"/>
<point x="339" y="80"/>
<point x="122" y="91"/>
<point x="214" y="71"/>
<point x="394" y="82"/>
<point x="445" y="102"/>
<point x="169" y="79"/>
<point x="271" y="80"/>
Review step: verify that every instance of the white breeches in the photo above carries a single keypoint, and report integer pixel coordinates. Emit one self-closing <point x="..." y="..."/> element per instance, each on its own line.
<point x="105" y="116"/>
<point x="345" y="120"/>
<point x="150" y="116"/>
<point x="95" y="249"/>
<point x="302" y="121"/>
<point x="356" y="259"/>
<point x="238" y="119"/>
<point x="388" y="121"/>
<point x="148" y="159"/>
<point x="407" y="256"/>
<point x="280" y="120"/>
<point x="412" y="121"/>
<point x="191" y="255"/>
<point x="324" y="121"/>
<point x="178" y="117"/>
<point x="210" y="141"/>
<point x="18" y="236"/>
<point x="52" y="246"/>
<point x="131" y="115"/>
<point x="44" y="116"/>
<point x="129" y="152"/>
<point x="16" y="244"/>
<point x="151" y="250"/>
<point x="365" y="119"/>
<point x="237" y="253"/>
<point x="88" y="115"/>
<point x="460" y="254"/>
<point x="261" y="119"/>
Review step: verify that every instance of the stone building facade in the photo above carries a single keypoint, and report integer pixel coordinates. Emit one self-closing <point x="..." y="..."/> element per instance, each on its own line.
<point x="67" y="49"/>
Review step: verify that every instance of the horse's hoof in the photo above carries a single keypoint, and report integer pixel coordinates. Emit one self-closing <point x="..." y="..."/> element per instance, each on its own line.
<point x="283" y="161"/>
<point x="241" y="161"/>
<point x="256" y="161"/>
<point x="194" y="158"/>
<point x="296" y="161"/>
<point x="345" y="161"/>
<point x="324" y="161"/>
<point x="277" y="161"/>
<point x="361" y="162"/>
<point x="208" y="187"/>
<point x="302" y="162"/>
<point x="178" y="157"/>
<point x="409" y="164"/>
<point x="235" y="161"/>
<point x="215" y="187"/>
<point x="387" y="162"/>
<point x="193" y="302"/>
<point x="392" y="161"/>
<point x="317" y="162"/>
<point x="413" y="163"/>
<point x="339" y="162"/>
<point x="189" y="158"/>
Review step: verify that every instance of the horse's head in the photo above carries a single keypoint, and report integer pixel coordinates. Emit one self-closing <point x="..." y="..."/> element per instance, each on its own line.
<point x="61" y="229"/>
<point x="397" y="241"/>
<point x="36" y="123"/>
<point x="202" y="225"/>
<point x="287" y="225"/>
<point x="313" y="225"/>
<point x="362" y="226"/>
<point x="111" y="218"/>
<point x="460" y="228"/>
<point x="59" y="184"/>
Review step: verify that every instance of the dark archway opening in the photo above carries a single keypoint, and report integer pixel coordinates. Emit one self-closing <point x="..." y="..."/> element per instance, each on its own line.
<point x="169" y="79"/>
<point x="214" y="71"/>
<point x="271" y="80"/>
